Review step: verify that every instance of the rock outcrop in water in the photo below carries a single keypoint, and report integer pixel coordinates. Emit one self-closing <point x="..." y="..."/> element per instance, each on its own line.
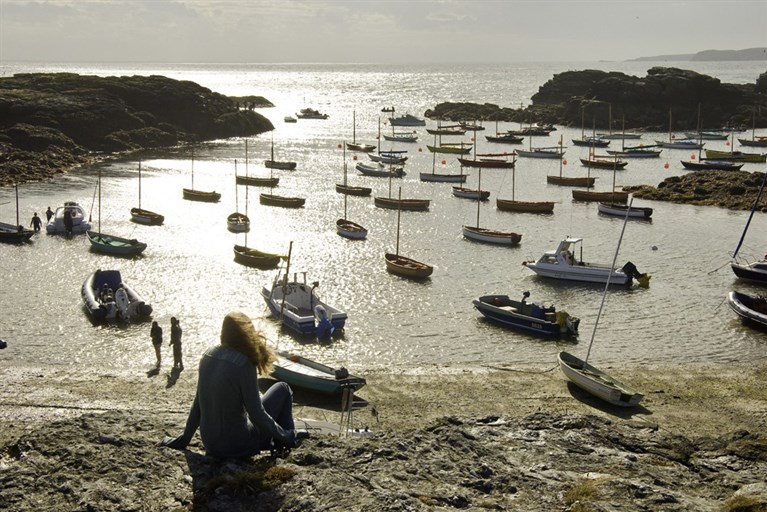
<point x="735" y="190"/>
<point x="50" y="122"/>
<point x="601" y="96"/>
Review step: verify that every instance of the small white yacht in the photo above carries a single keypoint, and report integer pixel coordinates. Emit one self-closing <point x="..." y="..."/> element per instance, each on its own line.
<point x="562" y="263"/>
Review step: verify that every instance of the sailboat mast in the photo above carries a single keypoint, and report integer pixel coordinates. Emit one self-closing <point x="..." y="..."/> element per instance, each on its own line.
<point x="750" y="216"/>
<point x="607" y="283"/>
<point x="479" y="192"/>
<point x="139" y="184"/>
<point x="236" y="193"/>
<point x="192" y="167"/>
<point x="16" y="186"/>
<point x="399" y="214"/>
<point x="99" y="199"/>
<point x="285" y="282"/>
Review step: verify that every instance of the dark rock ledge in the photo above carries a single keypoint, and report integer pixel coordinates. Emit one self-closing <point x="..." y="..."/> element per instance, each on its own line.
<point x="597" y="97"/>
<point x="52" y="122"/>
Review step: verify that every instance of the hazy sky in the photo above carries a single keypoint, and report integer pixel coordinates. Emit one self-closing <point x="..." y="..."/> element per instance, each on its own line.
<point x="393" y="31"/>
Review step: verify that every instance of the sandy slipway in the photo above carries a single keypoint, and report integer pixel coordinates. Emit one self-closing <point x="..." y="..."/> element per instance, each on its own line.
<point x="480" y="440"/>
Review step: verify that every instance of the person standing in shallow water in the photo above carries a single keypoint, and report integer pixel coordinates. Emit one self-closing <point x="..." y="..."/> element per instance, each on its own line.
<point x="49" y="214"/>
<point x="37" y="222"/>
<point x="175" y="342"/>
<point x="156" y="335"/>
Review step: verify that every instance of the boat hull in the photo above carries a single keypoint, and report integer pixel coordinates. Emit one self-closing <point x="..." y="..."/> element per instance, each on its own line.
<point x="621" y="210"/>
<point x="281" y="201"/>
<point x="79" y="224"/>
<point x="201" y="196"/>
<point x="146" y="217"/>
<point x="380" y="172"/>
<point x="488" y="163"/>
<point x="349" y="229"/>
<point x="603" y="164"/>
<point x="590" y="195"/>
<point x="542" y="321"/>
<point x="469" y="193"/>
<point x="256" y="181"/>
<point x="756" y="271"/>
<point x="751" y="309"/>
<point x="524" y="206"/>
<point x="353" y="191"/>
<point x="443" y="178"/>
<point x="303" y="373"/>
<point x="136" y="308"/>
<point x="717" y="165"/>
<point x="407" y="267"/>
<point x="571" y="181"/>
<point x="597" y="382"/>
<point x="415" y="205"/>
<point x="238" y="223"/>
<point x="298" y="310"/>
<point x="115" y="245"/>
<point x="255" y="258"/>
<point x="285" y="166"/>
<point x="12" y="234"/>
<point x="491" y="236"/>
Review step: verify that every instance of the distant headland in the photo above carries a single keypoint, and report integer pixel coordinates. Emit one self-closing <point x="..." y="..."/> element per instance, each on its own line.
<point x="709" y="56"/>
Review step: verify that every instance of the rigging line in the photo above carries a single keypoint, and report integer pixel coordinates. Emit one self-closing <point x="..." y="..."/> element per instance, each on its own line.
<point x="750" y="216"/>
<point x="609" y="275"/>
<point x="717" y="269"/>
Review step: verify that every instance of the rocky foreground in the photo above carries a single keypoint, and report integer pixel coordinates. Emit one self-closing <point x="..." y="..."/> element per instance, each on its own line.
<point x="52" y="122"/>
<point x="490" y="440"/>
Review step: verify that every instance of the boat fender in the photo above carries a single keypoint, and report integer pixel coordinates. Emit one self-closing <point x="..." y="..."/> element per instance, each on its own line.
<point x="3" y="344"/>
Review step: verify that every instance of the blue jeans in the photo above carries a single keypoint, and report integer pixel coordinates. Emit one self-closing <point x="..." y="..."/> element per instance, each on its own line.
<point x="278" y="403"/>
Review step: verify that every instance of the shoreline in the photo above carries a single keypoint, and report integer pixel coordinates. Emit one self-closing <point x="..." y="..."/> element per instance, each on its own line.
<point x="674" y="395"/>
<point x="515" y="438"/>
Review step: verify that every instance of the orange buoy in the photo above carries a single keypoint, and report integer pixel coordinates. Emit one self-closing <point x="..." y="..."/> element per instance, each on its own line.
<point x="665" y="166"/>
<point x="564" y="161"/>
<point x="692" y="157"/>
<point x="354" y="157"/>
<point x="339" y="146"/>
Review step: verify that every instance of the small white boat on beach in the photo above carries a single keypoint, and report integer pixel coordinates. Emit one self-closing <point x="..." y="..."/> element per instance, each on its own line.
<point x="597" y="382"/>
<point x="563" y="264"/>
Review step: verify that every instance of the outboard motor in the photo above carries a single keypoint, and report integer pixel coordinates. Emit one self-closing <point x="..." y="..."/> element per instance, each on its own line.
<point x="525" y="296"/>
<point x="122" y="302"/>
<point x="324" y="325"/>
<point x="631" y="270"/>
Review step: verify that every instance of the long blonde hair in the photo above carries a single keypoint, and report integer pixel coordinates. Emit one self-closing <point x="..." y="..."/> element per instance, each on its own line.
<point x="239" y="333"/>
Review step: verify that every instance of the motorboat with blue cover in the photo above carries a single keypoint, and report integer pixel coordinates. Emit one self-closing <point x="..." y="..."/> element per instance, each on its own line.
<point x="527" y="316"/>
<point x="298" y="307"/>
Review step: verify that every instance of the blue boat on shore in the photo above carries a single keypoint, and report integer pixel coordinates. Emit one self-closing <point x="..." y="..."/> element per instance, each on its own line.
<point x="530" y="317"/>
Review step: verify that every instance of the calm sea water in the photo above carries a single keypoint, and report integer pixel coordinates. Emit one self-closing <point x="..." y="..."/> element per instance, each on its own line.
<point x="188" y="269"/>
